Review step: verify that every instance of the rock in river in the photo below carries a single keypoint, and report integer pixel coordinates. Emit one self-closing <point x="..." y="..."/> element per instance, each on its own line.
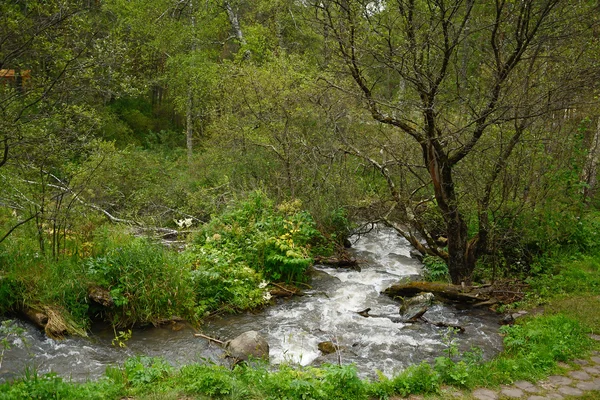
<point x="248" y="344"/>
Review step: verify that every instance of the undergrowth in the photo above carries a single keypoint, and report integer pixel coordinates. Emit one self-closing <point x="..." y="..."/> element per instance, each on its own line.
<point x="226" y="268"/>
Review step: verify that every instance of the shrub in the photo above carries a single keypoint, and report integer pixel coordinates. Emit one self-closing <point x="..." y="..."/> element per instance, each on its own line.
<point x="207" y="380"/>
<point x="142" y="370"/>
<point x="435" y="269"/>
<point x="146" y="282"/>
<point x="274" y="241"/>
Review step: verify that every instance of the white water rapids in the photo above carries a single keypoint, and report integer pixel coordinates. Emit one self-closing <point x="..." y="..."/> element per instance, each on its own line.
<point x="293" y="328"/>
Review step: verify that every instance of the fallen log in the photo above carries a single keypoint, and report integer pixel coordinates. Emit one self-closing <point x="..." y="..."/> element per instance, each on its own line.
<point x="338" y="262"/>
<point x="282" y="291"/>
<point x="442" y="291"/>
<point x="410" y="320"/>
<point x="39" y="318"/>
<point x="53" y="321"/>
<point x="416" y="317"/>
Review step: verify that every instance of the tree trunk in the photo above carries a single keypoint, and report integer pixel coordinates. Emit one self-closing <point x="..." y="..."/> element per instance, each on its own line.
<point x="461" y="259"/>
<point x="590" y="171"/>
<point x="461" y="255"/>
<point x="189" y="128"/>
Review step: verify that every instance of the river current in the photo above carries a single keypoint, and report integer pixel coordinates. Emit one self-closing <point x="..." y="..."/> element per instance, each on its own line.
<point x="328" y="311"/>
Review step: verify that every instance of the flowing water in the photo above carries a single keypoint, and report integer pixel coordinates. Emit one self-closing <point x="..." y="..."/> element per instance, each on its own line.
<point x="293" y="327"/>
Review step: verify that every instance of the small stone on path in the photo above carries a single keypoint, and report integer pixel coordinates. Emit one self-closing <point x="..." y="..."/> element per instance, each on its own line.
<point x="485" y="394"/>
<point x="592" y="370"/>
<point x="554" y="396"/>
<point x="594" y="385"/>
<point x="527" y="386"/>
<point x="570" y="391"/>
<point x="581" y="362"/>
<point x="536" y="398"/>
<point x="595" y="337"/>
<point x="581" y="375"/>
<point x="512" y="392"/>
<point x="596" y="359"/>
<point x="557" y="380"/>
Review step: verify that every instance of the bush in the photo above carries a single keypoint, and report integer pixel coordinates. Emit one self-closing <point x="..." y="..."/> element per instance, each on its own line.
<point x="435" y="269"/>
<point x="147" y="282"/>
<point x="274" y="241"/>
<point x="207" y="380"/>
<point x="142" y="370"/>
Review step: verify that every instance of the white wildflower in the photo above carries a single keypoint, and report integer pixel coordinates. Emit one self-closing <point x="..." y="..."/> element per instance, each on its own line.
<point x="267" y="296"/>
<point x="263" y="284"/>
<point x="184" y="223"/>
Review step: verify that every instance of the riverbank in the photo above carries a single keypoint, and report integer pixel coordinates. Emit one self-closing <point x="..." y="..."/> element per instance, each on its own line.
<point x="537" y="347"/>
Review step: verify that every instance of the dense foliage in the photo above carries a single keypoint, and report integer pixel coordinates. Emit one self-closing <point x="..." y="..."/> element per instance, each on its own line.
<point x="255" y="134"/>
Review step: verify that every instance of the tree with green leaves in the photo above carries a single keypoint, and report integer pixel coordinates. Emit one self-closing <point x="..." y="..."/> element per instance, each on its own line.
<point x="465" y="82"/>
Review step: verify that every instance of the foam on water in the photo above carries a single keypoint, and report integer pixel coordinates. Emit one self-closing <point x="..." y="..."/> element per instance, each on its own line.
<point x="293" y="327"/>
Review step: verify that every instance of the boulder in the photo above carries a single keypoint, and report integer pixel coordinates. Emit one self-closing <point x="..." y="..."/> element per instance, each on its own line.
<point x="248" y="345"/>
<point x="327" y="347"/>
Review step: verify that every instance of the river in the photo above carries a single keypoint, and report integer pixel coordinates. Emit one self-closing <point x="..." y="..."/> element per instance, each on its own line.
<point x="293" y="327"/>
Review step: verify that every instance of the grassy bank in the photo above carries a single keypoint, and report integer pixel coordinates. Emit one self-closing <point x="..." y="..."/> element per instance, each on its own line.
<point x="128" y="280"/>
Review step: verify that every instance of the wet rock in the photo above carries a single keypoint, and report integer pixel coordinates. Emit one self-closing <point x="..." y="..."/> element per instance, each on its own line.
<point x="327" y="347"/>
<point x="416" y="255"/>
<point x="248" y="345"/>
<point x="418" y="302"/>
<point x="416" y="315"/>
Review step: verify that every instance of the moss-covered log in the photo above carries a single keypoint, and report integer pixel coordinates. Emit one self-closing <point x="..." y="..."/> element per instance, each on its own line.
<point x="55" y="322"/>
<point x="442" y="291"/>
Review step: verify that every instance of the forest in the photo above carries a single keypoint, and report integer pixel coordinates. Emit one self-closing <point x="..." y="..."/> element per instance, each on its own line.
<point x="173" y="159"/>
